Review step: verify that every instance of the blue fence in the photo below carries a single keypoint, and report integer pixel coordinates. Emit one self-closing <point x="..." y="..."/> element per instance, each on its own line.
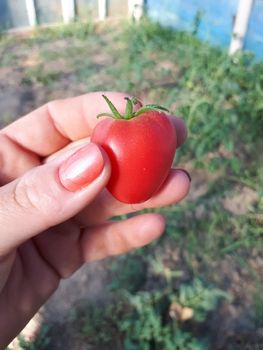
<point x="254" y="38"/>
<point x="217" y="19"/>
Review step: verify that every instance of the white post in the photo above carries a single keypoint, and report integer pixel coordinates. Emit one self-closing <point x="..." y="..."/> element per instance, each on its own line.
<point x="136" y="8"/>
<point x="241" y="25"/>
<point x="130" y="7"/>
<point x="31" y="12"/>
<point x="68" y="10"/>
<point x="102" y="9"/>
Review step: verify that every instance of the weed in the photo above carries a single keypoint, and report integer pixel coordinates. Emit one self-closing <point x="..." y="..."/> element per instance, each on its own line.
<point x="40" y="75"/>
<point x="148" y="320"/>
<point x="77" y="30"/>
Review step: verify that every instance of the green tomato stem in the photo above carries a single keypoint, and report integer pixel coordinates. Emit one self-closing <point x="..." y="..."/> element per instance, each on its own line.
<point x="129" y="109"/>
<point x="113" y="109"/>
<point x="129" y="113"/>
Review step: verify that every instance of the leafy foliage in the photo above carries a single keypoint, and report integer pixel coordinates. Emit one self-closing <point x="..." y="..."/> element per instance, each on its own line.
<point x="144" y="320"/>
<point x="218" y="95"/>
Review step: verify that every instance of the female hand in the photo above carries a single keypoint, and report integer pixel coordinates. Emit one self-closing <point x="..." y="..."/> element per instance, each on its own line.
<point x="54" y="209"/>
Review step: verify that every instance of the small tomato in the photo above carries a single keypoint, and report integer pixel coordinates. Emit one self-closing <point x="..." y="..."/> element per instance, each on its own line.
<point x="141" y="147"/>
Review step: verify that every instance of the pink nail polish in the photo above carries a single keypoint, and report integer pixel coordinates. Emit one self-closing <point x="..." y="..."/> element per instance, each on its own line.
<point x="81" y="168"/>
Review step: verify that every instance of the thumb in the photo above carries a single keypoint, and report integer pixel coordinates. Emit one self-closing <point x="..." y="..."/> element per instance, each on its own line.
<point x="50" y="194"/>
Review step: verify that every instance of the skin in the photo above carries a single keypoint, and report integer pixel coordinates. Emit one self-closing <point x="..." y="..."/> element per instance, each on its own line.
<point x="38" y="248"/>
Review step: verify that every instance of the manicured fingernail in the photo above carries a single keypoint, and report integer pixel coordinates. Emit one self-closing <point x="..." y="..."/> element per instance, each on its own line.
<point x="81" y="168"/>
<point x="186" y="173"/>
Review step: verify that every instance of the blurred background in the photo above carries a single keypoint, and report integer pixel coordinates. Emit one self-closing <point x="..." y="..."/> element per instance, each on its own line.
<point x="200" y="286"/>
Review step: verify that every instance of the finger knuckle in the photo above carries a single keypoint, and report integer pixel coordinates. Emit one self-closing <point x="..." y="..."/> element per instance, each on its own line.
<point x="28" y="196"/>
<point x="121" y="244"/>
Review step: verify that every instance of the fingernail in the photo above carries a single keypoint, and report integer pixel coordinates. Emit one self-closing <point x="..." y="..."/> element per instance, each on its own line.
<point x="186" y="173"/>
<point x="81" y="168"/>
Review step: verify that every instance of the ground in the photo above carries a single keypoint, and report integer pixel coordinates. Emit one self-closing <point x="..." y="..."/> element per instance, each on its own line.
<point x="216" y="234"/>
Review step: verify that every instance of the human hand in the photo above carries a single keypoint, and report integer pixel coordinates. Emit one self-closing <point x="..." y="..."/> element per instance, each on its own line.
<point x="54" y="209"/>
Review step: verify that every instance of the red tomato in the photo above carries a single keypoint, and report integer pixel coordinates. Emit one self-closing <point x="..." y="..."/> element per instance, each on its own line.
<point x="141" y="151"/>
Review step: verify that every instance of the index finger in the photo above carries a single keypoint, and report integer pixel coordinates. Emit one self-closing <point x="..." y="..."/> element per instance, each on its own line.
<point x="57" y="123"/>
<point x="53" y="126"/>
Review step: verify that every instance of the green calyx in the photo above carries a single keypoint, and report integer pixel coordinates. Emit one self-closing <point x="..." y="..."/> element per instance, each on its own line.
<point x="129" y="113"/>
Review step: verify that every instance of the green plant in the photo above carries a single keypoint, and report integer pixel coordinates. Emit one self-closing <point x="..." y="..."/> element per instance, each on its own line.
<point x="202" y="299"/>
<point x="152" y="324"/>
<point x="213" y="91"/>
<point x="78" y="30"/>
<point x="197" y="21"/>
<point x="152" y="319"/>
<point x="40" y="75"/>
<point x="99" y="322"/>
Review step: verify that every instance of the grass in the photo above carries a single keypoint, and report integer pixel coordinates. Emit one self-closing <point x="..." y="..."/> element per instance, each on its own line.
<point x="220" y="98"/>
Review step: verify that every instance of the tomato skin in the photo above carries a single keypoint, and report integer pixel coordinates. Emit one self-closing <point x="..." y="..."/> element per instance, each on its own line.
<point x="141" y="152"/>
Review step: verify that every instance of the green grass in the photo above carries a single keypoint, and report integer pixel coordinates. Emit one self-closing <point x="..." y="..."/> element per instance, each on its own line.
<point x="220" y="99"/>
